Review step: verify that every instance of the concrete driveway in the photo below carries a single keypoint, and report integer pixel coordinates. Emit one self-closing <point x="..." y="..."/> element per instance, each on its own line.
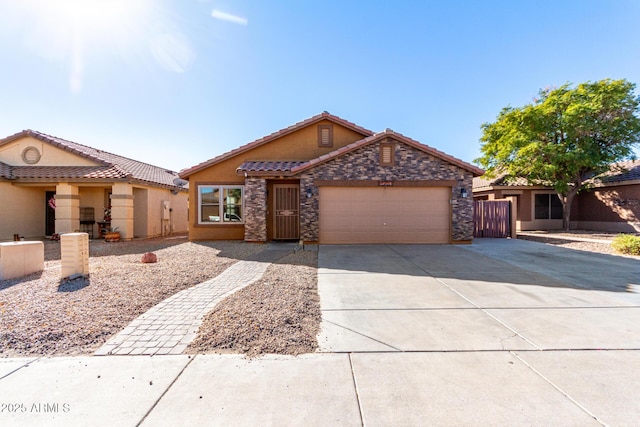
<point x="500" y="326"/>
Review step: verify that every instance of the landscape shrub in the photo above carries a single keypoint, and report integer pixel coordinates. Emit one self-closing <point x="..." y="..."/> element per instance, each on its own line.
<point x="627" y="244"/>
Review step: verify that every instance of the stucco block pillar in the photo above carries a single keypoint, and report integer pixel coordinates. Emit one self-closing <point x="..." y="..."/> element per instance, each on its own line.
<point x="122" y="209"/>
<point x="67" y="208"/>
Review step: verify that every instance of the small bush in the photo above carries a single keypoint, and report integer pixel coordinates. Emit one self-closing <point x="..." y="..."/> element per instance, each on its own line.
<point x="627" y="244"/>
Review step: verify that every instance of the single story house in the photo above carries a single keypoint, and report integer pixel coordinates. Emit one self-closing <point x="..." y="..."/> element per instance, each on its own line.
<point x="612" y="204"/>
<point x="328" y="180"/>
<point x="50" y="185"/>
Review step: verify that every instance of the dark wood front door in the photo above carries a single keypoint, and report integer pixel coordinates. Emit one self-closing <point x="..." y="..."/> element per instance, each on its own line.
<point x="287" y="212"/>
<point x="50" y="214"/>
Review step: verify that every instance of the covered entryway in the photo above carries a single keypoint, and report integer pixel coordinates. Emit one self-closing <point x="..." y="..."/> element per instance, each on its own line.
<point x="362" y="215"/>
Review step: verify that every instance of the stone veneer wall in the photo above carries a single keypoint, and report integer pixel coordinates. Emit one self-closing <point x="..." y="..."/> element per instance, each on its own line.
<point x="410" y="164"/>
<point x="255" y="210"/>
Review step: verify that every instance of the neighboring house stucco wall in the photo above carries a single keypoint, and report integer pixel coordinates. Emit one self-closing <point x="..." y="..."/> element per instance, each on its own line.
<point x="22" y="211"/>
<point x="153" y="223"/>
<point x="611" y="208"/>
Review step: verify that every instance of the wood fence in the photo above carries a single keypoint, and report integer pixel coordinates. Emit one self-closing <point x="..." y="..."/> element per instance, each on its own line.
<point x="492" y="218"/>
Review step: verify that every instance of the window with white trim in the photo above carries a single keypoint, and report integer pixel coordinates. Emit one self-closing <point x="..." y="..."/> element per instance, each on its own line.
<point x="219" y="204"/>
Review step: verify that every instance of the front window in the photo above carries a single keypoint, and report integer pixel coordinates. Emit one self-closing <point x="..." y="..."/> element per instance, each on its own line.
<point x="220" y="204"/>
<point x="548" y="206"/>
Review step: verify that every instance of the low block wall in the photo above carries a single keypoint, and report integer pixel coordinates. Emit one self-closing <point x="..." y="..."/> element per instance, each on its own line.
<point x="19" y="259"/>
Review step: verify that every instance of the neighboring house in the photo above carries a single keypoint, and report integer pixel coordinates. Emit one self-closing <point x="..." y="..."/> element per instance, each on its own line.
<point x="328" y="180"/>
<point x="50" y="185"/>
<point x="538" y="207"/>
<point x="612" y="204"/>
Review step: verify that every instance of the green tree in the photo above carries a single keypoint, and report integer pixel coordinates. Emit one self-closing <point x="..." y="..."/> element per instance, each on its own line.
<point x="564" y="137"/>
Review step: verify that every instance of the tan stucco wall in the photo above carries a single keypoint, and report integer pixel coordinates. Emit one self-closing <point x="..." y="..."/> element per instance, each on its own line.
<point x="176" y="221"/>
<point x="11" y="154"/>
<point x="299" y="145"/>
<point x="140" y="207"/>
<point x="22" y="211"/>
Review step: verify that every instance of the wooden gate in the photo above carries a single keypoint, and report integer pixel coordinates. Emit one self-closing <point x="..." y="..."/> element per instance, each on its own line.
<point x="287" y="212"/>
<point x="492" y="218"/>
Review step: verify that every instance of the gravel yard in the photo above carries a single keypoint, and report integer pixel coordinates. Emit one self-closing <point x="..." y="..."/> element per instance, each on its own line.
<point x="279" y="314"/>
<point x="40" y="315"/>
<point x="562" y="238"/>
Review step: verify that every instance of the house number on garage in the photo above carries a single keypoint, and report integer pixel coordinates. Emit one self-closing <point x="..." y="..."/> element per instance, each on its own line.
<point x="385" y="183"/>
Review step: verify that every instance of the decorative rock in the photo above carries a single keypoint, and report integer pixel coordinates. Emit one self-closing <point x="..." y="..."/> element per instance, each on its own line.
<point x="149" y="257"/>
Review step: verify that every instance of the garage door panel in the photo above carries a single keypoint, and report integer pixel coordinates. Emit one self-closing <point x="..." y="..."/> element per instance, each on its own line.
<point x="385" y="215"/>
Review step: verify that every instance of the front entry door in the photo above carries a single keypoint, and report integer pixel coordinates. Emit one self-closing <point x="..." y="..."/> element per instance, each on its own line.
<point x="50" y="214"/>
<point x="287" y="212"/>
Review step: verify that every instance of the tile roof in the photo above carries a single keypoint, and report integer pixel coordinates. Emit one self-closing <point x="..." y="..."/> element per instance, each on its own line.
<point x="68" y="172"/>
<point x="622" y="172"/>
<point x="282" y="132"/>
<point x="268" y="167"/>
<point x="111" y="166"/>
<point x="483" y="182"/>
<point x="5" y="171"/>
<point x="398" y="136"/>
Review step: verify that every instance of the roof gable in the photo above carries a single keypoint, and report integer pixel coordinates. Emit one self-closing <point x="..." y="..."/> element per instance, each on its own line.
<point x="274" y="136"/>
<point x="476" y="171"/>
<point x="294" y="167"/>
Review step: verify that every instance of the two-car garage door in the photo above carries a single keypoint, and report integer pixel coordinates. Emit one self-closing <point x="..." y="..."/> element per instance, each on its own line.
<point x="385" y="215"/>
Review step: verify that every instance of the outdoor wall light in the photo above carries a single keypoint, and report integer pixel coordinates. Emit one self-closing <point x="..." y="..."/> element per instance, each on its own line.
<point x="309" y="193"/>
<point x="463" y="192"/>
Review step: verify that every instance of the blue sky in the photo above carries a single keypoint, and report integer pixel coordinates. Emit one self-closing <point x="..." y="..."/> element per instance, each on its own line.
<point x="176" y="82"/>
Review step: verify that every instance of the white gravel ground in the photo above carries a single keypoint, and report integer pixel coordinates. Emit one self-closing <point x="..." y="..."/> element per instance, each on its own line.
<point x="41" y="315"/>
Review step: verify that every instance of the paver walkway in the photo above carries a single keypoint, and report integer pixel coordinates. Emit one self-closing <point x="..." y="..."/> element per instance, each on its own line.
<point x="169" y="327"/>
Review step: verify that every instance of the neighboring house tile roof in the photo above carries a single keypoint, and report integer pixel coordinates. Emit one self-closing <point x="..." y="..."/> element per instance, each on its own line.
<point x="483" y="182"/>
<point x="111" y="166"/>
<point x="622" y="172"/>
<point x="68" y="172"/>
<point x="5" y="171"/>
<point x="282" y="132"/>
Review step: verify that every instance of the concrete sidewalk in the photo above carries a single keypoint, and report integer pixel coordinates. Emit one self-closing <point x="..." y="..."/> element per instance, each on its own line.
<point x="500" y="332"/>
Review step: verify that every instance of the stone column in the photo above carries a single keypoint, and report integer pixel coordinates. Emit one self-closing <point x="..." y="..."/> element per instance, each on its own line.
<point x="309" y="210"/>
<point x="462" y="211"/>
<point x="67" y="208"/>
<point x="255" y="210"/>
<point x="122" y="209"/>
